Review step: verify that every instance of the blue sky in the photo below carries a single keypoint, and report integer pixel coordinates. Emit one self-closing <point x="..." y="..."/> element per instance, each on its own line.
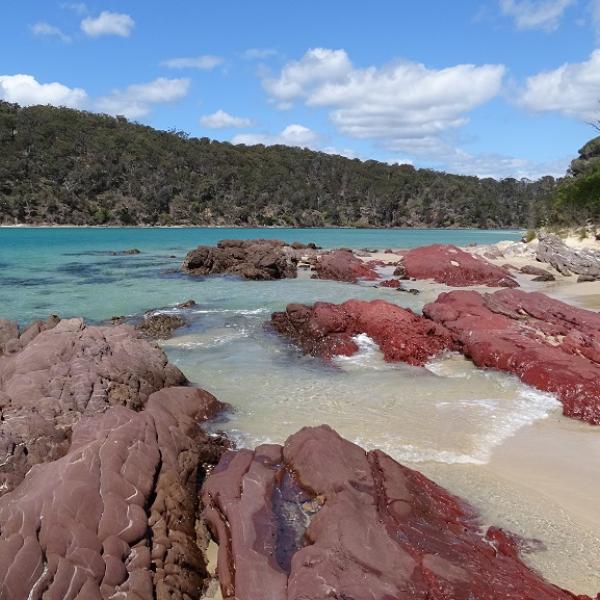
<point x="497" y="88"/>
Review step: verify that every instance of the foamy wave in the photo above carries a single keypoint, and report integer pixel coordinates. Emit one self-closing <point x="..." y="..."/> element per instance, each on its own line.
<point x="191" y="342"/>
<point x="210" y="311"/>
<point x="368" y="356"/>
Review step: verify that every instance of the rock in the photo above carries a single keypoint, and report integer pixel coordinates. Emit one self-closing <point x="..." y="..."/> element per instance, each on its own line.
<point x="343" y="265"/>
<point x="540" y="274"/>
<point x="548" y="344"/>
<point x="187" y="304"/>
<point x="454" y="267"/>
<point x="130" y="252"/>
<point x="116" y="516"/>
<point x="391" y="283"/>
<point x="160" y="325"/>
<point x="58" y="372"/>
<point x="327" y="330"/>
<point x="249" y="259"/>
<point x="320" y="518"/>
<point x="586" y="278"/>
<point x="552" y="250"/>
<point x="301" y="246"/>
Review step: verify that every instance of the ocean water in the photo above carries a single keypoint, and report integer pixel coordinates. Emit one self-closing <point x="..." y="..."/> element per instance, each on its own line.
<point x="447" y="419"/>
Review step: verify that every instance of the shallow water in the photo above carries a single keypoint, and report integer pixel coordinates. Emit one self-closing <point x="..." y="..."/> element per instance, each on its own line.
<point x="481" y="434"/>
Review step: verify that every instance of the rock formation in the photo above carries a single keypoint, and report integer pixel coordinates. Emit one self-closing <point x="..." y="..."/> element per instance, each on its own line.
<point x="540" y="274"/>
<point x="452" y="266"/>
<point x="550" y="345"/>
<point x="320" y="518"/>
<point x="327" y="330"/>
<point x="159" y="325"/>
<point x="343" y="265"/>
<point x="55" y="372"/>
<point x="552" y="250"/>
<point x="116" y="516"/>
<point x="249" y="259"/>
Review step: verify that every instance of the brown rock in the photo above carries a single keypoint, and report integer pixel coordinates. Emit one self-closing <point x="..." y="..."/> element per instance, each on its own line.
<point x="343" y="265"/>
<point x="160" y="325"/>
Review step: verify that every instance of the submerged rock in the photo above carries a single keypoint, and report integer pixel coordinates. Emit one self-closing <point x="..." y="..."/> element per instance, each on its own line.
<point x="327" y="330"/>
<point x="160" y="325"/>
<point x="116" y="516"/>
<point x="343" y="265"/>
<point x="55" y="372"/>
<point x="452" y="266"/>
<point x="249" y="259"/>
<point x="321" y="518"/>
<point x="129" y="252"/>
<point x="552" y="250"/>
<point x="550" y="345"/>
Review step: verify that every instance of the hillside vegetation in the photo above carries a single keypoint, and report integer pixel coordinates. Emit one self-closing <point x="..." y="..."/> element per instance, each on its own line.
<point x="62" y="166"/>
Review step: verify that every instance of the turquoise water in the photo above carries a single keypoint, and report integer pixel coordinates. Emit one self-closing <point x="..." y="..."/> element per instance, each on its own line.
<point x="69" y="271"/>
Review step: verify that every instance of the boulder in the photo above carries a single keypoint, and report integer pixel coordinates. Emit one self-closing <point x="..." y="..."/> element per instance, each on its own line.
<point x="116" y="516"/>
<point x="452" y="266"/>
<point x="343" y="265"/>
<point x="57" y="371"/>
<point x="580" y="261"/>
<point x="248" y="259"/>
<point x="391" y="283"/>
<point x="540" y="274"/>
<point x="548" y="344"/>
<point x="320" y="518"/>
<point x="327" y="330"/>
<point x="160" y="325"/>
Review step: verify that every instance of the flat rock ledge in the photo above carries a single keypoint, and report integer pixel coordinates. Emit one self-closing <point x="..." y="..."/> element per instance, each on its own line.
<point x="566" y="260"/>
<point x="452" y="266"/>
<point x="249" y="259"/>
<point x="319" y="518"/>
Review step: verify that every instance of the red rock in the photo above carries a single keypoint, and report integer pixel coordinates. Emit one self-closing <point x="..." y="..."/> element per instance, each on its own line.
<point x="391" y="283"/>
<point x="320" y="518"/>
<point x="450" y="265"/>
<point x="550" y="345"/>
<point x="116" y="516"/>
<point x="343" y="265"/>
<point x="328" y="329"/>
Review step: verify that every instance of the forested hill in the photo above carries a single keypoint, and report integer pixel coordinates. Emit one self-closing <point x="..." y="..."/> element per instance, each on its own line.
<point x="62" y="166"/>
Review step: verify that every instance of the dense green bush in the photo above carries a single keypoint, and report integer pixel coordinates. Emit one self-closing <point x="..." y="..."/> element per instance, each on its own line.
<point x="63" y="166"/>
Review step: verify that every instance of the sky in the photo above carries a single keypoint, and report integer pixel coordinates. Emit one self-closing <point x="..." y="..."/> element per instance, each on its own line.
<point x="501" y="88"/>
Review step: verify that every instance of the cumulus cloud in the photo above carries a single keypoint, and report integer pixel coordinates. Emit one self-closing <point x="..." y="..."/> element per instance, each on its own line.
<point x="572" y="89"/>
<point x="205" y="62"/>
<point x="536" y="14"/>
<point x="137" y="100"/>
<point x="292" y="135"/>
<point x="27" y="91"/>
<point x="42" y="28"/>
<point x="394" y="105"/>
<point x="221" y="119"/>
<point x="108" y="23"/>
<point x="259" y="53"/>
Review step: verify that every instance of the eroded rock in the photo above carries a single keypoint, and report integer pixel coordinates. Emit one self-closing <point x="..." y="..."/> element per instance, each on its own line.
<point x="160" y="325"/>
<point x="552" y="250"/>
<point x="249" y="259"/>
<point x="365" y="527"/>
<point x="452" y="266"/>
<point x="55" y="372"/>
<point x="327" y="330"/>
<point x="116" y="516"/>
<point x="343" y="265"/>
<point x="550" y="345"/>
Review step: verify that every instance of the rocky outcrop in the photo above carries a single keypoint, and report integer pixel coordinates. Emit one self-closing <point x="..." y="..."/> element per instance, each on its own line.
<point x="160" y="326"/>
<point x="343" y="265"/>
<point x="552" y="250"/>
<point x="321" y="518"/>
<point x="540" y="274"/>
<point x="55" y="372"/>
<point x="452" y="266"/>
<point x="327" y="330"/>
<point x="550" y="345"/>
<point x="116" y="516"/>
<point x="249" y="259"/>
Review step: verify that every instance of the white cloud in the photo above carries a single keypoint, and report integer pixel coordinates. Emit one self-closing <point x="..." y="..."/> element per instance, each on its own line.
<point x="45" y="29"/>
<point x="137" y="100"/>
<point x="27" y="91"/>
<point x="205" y="62"/>
<point x="259" y="53"/>
<point x="77" y="7"/>
<point x="536" y="14"/>
<point x="108" y="23"/>
<point x="220" y="119"/>
<point x="572" y="89"/>
<point x="394" y="105"/>
<point x="292" y="135"/>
